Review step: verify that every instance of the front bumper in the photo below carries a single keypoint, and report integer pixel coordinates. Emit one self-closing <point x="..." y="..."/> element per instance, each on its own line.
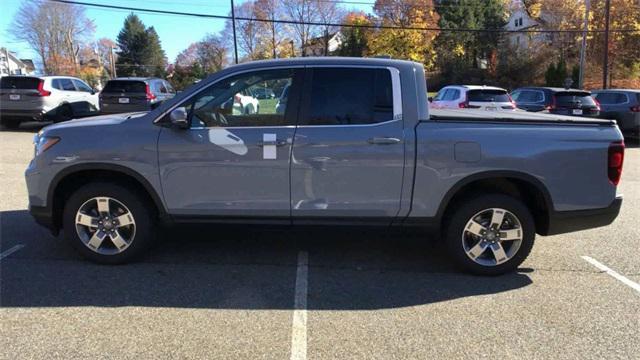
<point x="44" y="216"/>
<point x="561" y="222"/>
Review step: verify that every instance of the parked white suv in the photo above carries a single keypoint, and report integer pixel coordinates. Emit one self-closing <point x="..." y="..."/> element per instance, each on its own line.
<point x="57" y="98"/>
<point x="473" y="97"/>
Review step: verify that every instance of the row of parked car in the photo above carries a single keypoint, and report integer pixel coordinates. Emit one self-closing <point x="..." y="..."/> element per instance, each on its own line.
<point x="60" y="98"/>
<point x="622" y="105"/>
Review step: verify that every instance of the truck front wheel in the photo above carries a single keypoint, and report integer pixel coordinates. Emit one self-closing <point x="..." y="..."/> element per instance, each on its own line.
<point x="490" y="234"/>
<point x="108" y="223"/>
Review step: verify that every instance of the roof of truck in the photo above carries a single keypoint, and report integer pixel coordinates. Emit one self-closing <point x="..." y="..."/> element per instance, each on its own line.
<point x="325" y="60"/>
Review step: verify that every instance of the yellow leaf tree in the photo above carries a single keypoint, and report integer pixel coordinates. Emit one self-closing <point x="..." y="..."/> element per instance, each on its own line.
<point x="415" y="45"/>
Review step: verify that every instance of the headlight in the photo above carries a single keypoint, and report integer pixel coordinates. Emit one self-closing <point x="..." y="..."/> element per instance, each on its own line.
<point x="44" y="143"/>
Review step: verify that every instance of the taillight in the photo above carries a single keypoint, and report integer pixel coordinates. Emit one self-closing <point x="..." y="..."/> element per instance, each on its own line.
<point x="150" y="95"/>
<point x="552" y="106"/>
<point x="597" y="104"/>
<point x="41" y="90"/>
<point x="635" y="108"/>
<point x="614" y="164"/>
<point x="465" y="103"/>
<point x="236" y="99"/>
<point x="513" y="103"/>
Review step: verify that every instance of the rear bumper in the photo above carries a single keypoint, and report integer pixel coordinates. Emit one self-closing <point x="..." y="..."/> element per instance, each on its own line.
<point x="561" y="222"/>
<point x="37" y="114"/>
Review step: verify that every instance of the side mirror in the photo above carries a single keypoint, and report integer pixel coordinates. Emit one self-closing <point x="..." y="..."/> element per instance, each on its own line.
<point x="430" y="98"/>
<point x="178" y="118"/>
<point x="93" y="91"/>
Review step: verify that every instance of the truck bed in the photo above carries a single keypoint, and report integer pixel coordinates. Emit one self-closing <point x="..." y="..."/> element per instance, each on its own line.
<point x="518" y="116"/>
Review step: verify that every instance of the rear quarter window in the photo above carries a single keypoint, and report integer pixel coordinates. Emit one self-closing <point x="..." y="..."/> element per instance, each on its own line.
<point x="122" y="86"/>
<point x="488" y="95"/>
<point x="19" y="82"/>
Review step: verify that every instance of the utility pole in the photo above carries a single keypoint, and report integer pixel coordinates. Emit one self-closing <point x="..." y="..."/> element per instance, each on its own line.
<point x="112" y="62"/>
<point x="587" y="6"/>
<point x="605" y="62"/>
<point x="233" y="24"/>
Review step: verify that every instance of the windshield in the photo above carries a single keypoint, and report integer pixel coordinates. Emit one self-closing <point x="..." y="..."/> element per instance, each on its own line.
<point x="19" y="82"/>
<point x="573" y="98"/>
<point x="123" y="86"/>
<point x="488" y="96"/>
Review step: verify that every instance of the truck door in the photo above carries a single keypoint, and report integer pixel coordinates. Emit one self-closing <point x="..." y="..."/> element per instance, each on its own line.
<point x="348" y="152"/>
<point x="229" y="162"/>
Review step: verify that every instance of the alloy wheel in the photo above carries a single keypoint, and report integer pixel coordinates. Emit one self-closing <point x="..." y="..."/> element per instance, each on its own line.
<point x="492" y="236"/>
<point x="105" y="225"/>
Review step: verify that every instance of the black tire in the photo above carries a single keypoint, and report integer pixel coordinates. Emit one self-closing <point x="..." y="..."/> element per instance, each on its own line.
<point x="64" y="113"/>
<point x="12" y="124"/>
<point x="467" y="209"/>
<point x="141" y="210"/>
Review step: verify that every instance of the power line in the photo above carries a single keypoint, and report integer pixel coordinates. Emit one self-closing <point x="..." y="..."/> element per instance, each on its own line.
<point x="314" y="23"/>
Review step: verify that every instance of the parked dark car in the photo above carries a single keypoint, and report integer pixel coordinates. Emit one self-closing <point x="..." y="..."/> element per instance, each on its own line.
<point x="559" y="101"/>
<point x="622" y="105"/>
<point x="134" y="94"/>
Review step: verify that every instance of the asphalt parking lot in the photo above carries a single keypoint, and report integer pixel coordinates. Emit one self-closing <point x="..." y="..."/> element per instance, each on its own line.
<point x="312" y="293"/>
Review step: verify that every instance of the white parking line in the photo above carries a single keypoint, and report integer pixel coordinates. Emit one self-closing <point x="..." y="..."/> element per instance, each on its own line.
<point x="634" y="285"/>
<point x="11" y="251"/>
<point x="299" y="327"/>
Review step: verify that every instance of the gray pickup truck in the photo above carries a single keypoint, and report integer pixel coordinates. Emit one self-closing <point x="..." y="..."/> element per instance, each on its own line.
<point x="353" y="143"/>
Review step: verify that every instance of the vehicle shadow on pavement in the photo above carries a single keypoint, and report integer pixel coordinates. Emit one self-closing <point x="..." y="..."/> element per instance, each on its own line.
<point x="251" y="268"/>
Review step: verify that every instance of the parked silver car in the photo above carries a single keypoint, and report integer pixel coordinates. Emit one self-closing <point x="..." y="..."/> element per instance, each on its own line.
<point x="57" y="98"/>
<point x="622" y="105"/>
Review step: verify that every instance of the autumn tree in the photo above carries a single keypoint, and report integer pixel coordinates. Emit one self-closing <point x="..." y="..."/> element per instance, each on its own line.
<point x="272" y="38"/>
<point x="397" y="42"/>
<point x="303" y="12"/>
<point x="355" y="42"/>
<point x="55" y="31"/>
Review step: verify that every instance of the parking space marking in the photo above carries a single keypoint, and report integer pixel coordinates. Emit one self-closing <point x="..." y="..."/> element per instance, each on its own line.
<point x="11" y="251"/>
<point x="634" y="285"/>
<point x="299" y="326"/>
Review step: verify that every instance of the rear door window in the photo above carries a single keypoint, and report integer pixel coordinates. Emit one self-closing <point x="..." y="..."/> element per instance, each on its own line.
<point x="574" y="98"/>
<point x="125" y="86"/>
<point x="67" y="85"/>
<point x="488" y="96"/>
<point x="349" y="96"/>
<point x="82" y="86"/>
<point x="19" y="82"/>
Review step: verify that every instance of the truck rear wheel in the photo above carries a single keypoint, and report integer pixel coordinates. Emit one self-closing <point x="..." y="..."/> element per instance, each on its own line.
<point x="490" y="234"/>
<point x="108" y="223"/>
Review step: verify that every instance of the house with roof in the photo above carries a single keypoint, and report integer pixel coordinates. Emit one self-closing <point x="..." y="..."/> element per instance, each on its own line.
<point x="520" y="23"/>
<point x="11" y="65"/>
<point x="316" y="46"/>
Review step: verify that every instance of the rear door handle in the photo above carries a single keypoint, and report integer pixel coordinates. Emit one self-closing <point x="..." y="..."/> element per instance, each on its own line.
<point x="383" y="140"/>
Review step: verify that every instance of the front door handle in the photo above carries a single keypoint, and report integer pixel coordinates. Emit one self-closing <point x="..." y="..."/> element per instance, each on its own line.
<point x="276" y="143"/>
<point x="383" y="141"/>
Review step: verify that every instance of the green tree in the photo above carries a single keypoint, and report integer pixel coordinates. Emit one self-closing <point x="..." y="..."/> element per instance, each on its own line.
<point x="355" y="43"/>
<point x="140" y="52"/>
<point x="463" y="50"/>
